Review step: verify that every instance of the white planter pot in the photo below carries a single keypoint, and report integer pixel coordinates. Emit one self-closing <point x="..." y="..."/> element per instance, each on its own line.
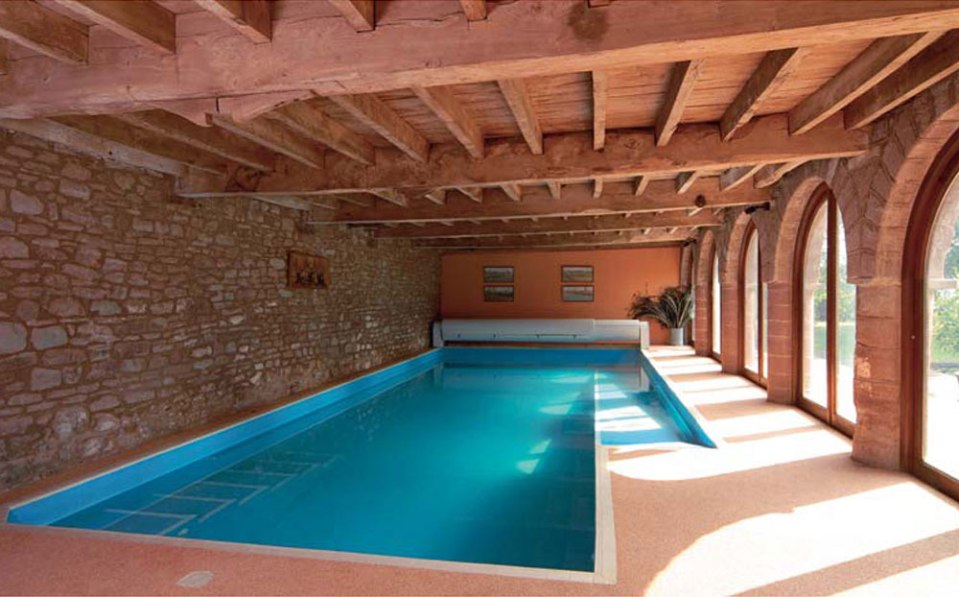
<point x="677" y="336"/>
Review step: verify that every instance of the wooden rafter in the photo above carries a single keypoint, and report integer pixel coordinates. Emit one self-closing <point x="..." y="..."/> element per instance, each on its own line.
<point x="513" y="191"/>
<point x="682" y="79"/>
<point x="600" y="95"/>
<point x="244" y="108"/>
<point x="392" y="196"/>
<point x="474" y="194"/>
<point x="43" y="30"/>
<point x="640" y="184"/>
<point x="732" y="178"/>
<point x="273" y="136"/>
<point x="571" y="239"/>
<point x="437" y="196"/>
<point x="927" y="68"/>
<point x="374" y="113"/>
<point x="475" y="10"/>
<point x="455" y="116"/>
<point x="775" y="67"/>
<point x="597" y="188"/>
<point x="770" y="175"/>
<point x="143" y="21"/>
<point x="517" y="97"/>
<point x="251" y="18"/>
<point x="360" y="14"/>
<point x="309" y="121"/>
<point x="685" y="180"/>
<point x="555" y="189"/>
<point x="874" y="64"/>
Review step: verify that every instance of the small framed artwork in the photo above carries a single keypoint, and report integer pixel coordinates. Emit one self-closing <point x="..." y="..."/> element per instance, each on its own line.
<point x="498" y="294"/>
<point x="498" y="274"/>
<point x="577" y="274"/>
<point x="577" y="294"/>
<point x="307" y="271"/>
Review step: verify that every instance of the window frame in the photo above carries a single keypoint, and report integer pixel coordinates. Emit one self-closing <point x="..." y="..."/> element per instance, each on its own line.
<point x="715" y="281"/>
<point x="760" y="375"/>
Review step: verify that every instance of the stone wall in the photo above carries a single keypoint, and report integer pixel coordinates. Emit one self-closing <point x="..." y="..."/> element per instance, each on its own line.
<point x="127" y="313"/>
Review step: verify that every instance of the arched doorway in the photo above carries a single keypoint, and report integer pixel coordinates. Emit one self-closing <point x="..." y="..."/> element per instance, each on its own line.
<point x="753" y="302"/>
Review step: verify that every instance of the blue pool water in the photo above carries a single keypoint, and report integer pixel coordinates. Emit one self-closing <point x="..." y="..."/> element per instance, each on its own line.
<point x="478" y="455"/>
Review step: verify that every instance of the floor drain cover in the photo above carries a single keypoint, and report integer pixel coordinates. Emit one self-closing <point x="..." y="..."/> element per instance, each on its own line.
<point x="196" y="579"/>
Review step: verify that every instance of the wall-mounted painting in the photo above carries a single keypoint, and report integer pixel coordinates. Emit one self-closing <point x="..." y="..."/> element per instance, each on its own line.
<point x="307" y="271"/>
<point x="577" y="274"/>
<point x="577" y="294"/>
<point x="498" y="274"/>
<point x="498" y="294"/>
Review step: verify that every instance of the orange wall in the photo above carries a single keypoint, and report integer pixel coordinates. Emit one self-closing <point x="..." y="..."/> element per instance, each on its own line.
<point x="617" y="275"/>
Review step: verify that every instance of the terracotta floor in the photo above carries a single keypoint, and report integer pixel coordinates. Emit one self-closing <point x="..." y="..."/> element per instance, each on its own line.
<point x="779" y="509"/>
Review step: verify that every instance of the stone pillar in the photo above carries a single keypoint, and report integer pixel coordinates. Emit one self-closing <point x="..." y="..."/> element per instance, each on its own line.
<point x="781" y="386"/>
<point x="730" y="330"/>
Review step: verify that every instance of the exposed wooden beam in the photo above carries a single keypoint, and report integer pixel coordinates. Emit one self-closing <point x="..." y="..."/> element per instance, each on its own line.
<point x="555" y="189"/>
<point x="567" y="159"/>
<point x="289" y="202"/>
<point x="682" y="79"/>
<point x="775" y="67"/>
<point x="44" y="31"/>
<point x="634" y="34"/>
<point x="3" y="56"/>
<point x="685" y="180"/>
<point x="359" y="200"/>
<point x="566" y="240"/>
<point x="473" y="194"/>
<point x="732" y="178"/>
<point x="142" y="21"/>
<point x="247" y="107"/>
<point x="770" y="175"/>
<point x="597" y="188"/>
<point x="640" y="184"/>
<point x="361" y="14"/>
<point x="249" y="17"/>
<point x="577" y="200"/>
<point x="119" y="132"/>
<point x="600" y="95"/>
<point x="513" y="191"/>
<point x="874" y="64"/>
<point x="606" y="223"/>
<point x="475" y="10"/>
<point x="517" y="97"/>
<point x="455" y="116"/>
<point x="927" y="68"/>
<point x="93" y="145"/>
<point x="210" y="139"/>
<point x="375" y="114"/>
<point x="276" y="138"/>
<point x="437" y="196"/>
<point x="392" y="196"/>
<point x="309" y="121"/>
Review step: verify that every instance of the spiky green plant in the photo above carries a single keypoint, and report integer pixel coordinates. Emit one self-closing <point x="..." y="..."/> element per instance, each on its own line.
<point x="673" y="307"/>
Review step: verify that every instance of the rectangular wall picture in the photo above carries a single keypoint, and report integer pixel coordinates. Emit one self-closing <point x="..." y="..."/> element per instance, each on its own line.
<point x="498" y="274"/>
<point x="498" y="294"/>
<point x="577" y="294"/>
<point x="577" y="274"/>
<point x="307" y="271"/>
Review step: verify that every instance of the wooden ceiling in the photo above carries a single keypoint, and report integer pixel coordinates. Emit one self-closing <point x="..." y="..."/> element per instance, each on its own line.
<point x="471" y="124"/>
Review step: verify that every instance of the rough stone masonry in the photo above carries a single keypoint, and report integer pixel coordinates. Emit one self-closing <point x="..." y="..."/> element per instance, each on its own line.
<point x="127" y="313"/>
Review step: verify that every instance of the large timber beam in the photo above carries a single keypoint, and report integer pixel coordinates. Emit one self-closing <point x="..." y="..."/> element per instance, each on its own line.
<point x="573" y="239"/>
<point x="519" y="102"/>
<point x="44" y="31"/>
<point x="276" y="138"/>
<point x="634" y="33"/>
<point x="566" y="158"/>
<point x="772" y="71"/>
<point x="681" y="83"/>
<point x="455" y="116"/>
<point x="360" y="14"/>
<point x="552" y="225"/>
<point x="309" y="121"/>
<point x="375" y="114"/>
<point x="142" y="21"/>
<point x="251" y="18"/>
<point x="577" y="200"/>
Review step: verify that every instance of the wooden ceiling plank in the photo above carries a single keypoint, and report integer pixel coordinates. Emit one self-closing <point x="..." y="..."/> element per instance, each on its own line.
<point x="732" y="178"/>
<point x="249" y="17"/>
<point x="685" y="180"/>
<point x="377" y="115"/>
<point x="770" y="175"/>
<point x="209" y="139"/>
<point x="93" y="145"/>
<point x="455" y="229"/>
<point x="475" y="10"/>
<point x="640" y="184"/>
<point x="142" y="21"/>
<point x="519" y="102"/>
<point x="600" y="81"/>
<point x="44" y="31"/>
<point x="775" y="67"/>
<point x="473" y="194"/>
<point x="874" y="64"/>
<point x="682" y="79"/>
<point x="360" y="14"/>
<point x="455" y="116"/>
<point x="392" y="196"/>
<point x="276" y="138"/>
<point x="513" y="191"/>
<point x="312" y="123"/>
<point x="437" y="196"/>
<point x="924" y="70"/>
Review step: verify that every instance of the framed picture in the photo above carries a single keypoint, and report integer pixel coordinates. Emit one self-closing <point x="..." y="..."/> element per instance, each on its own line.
<point x="577" y="294"/>
<point x="498" y="274"/>
<point x="577" y="274"/>
<point x="498" y="294"/>
<point x="307" y="271"/>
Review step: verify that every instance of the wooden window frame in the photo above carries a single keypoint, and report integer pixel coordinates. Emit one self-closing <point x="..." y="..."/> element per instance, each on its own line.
<point x="822" y="196"/>
<point x="931" y="193"/>
<point x="759" y="376"/>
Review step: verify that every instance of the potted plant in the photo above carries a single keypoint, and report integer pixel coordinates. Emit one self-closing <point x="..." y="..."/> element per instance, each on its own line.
<point x="673" y="308"/>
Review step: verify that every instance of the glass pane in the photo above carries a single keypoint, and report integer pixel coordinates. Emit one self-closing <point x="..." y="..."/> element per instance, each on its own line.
<point x="717" y="299"/>
<point x="814" y="382"/>
<point x="846" y="335"/>
<point x="751" y="305"/>
<point x="941" y="399"/>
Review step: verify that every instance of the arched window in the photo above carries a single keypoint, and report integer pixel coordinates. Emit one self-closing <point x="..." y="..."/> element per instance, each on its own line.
<point x="931" y="325"/>
<point x="828" y="331"/>
<point x="716" y="301"/>
<point x="753" y="305"/>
